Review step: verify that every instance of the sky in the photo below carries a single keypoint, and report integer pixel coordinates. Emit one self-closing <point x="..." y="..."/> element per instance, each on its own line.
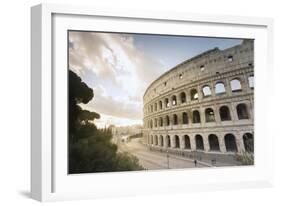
<point x="119" y="67"/>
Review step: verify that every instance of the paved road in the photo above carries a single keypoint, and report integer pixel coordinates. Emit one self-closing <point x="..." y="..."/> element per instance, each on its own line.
<point x="155" y="160"/>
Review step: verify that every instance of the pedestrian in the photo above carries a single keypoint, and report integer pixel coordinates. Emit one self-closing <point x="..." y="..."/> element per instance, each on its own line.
<point x="195" y="163"/>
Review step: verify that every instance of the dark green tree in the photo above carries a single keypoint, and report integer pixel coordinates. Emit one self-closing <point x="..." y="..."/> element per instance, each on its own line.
<point x="91" y="149"/>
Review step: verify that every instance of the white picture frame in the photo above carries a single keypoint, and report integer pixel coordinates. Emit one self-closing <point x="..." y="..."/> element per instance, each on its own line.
<point x="50" y="181"/>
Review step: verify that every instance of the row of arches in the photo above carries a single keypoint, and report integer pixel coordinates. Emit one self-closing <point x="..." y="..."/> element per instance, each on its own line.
<point x="224" y="114"/>
<point x="230" y="142"/>
<point x="235" y="85"/>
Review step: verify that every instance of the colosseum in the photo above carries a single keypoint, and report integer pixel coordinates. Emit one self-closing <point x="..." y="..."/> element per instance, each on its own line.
<point x="203" y="105"/>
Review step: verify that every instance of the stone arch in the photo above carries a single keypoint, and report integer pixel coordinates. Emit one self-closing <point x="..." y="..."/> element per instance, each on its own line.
<point x="248" y="140"/>
<point x="251" y="81"/>
<point x="225" y="113"/>
<point x="199" y="142"/>
<point x="167" y="104"/>
<point x="183" y="97"/>
<point x="177" y="141"/>
<point x="219" y="88"/>
<point x="155" y="106"/>
<point x="161" y="121"/>
<point x="242" y="111"/>
<point x="206" y="90"/>
<point x="235" y="85"/>
<point x="175" y="119"/>
<point x="174" y="100"/>
<point x="214" y="142"/>
<point x="209" y="115"/>
<point x="151" y="139"/>
<point x="155" y="122"/>
<point x="193" y="94"/>
<point x="196" y="117"/>
<point x="167" y="120"/>
<point x="187" y="144"/>
<point x="160" y="105"/>
<point x="230" y="143"/>
<point x="184" y="118"/>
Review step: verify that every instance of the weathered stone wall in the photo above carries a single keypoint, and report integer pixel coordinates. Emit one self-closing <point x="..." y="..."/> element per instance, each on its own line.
<point x="214" y="71"/>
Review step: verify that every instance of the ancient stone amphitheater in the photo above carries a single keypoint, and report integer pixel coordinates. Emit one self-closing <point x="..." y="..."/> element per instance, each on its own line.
<point x="205" y="104"/>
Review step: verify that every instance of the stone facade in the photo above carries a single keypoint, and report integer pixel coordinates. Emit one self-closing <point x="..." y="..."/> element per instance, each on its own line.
<point x="204" y="104"/>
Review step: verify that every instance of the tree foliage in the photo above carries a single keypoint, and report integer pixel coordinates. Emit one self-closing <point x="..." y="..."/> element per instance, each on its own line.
<point x="91" y="149"/>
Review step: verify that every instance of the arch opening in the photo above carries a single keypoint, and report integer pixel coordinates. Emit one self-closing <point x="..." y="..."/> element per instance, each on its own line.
<point x="199" y="142"/>
<point x="167" y="104"/>
<point x="248" y="140"/>
<point x="206" y="91"/>
<point x="209" y="115"/>
<point x="251" y="81"/>
<point x="184" y="118"/>
<point x="230" y="143"/>
<point x="183" y="97"/>
<point x="161" y="122"/>
<point x="193" y="94"/>
<point x="225" y="113"/>
<point x="177" y="141"/>
<point x="214" y="142"/>
<point x="196" y="116"/>
<point x="242" y="111"/>
<point x="235" y="85"/>
<point x="174" y="100"/>
<point x="175" y="119"/>
<point x="167" y="120"/>
<point x="160" y="105"/>
<point x="187" y="142"/>
<point x="219" y="88"/>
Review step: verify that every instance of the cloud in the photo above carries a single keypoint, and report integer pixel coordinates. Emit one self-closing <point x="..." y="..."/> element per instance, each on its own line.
<point x="114" y="57"/>
<point x="121" y="107"/>
<point x="117" y="59"/>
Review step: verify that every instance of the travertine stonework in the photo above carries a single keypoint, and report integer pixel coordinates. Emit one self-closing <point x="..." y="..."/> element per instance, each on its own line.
<point x="204" y="104"/>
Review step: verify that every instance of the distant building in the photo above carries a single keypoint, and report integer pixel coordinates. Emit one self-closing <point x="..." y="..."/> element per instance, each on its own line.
<point x="128" y="130"/>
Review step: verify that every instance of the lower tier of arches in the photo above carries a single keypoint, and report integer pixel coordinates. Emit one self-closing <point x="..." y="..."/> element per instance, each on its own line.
<point x="218" y="143"/>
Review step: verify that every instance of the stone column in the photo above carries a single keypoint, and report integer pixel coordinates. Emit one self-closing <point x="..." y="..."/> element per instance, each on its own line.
<point x="239" y="142"/>
<point x="199" y="91"/>
<point x="178" y="98"/>
<point x="189" y="116"/>
<point x="202" y="115"/>
<point x="221" y="143"/>
<point x="165" y="139"/>
<point x="181" y="141"/>
<point x="227" y="87"/>
<point x="206" y="143"/>
<point x="187" y="95"/>
<point x="217" y="114"/>
<point x="213" y="89"/>
<point x="173" y="142"/>
<point x="250" y="109"/>
<point x="233" y="112"/>
<point x="180" y="120"/>
<point x="192" y="142"/>
<point x="244" y="83"/>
